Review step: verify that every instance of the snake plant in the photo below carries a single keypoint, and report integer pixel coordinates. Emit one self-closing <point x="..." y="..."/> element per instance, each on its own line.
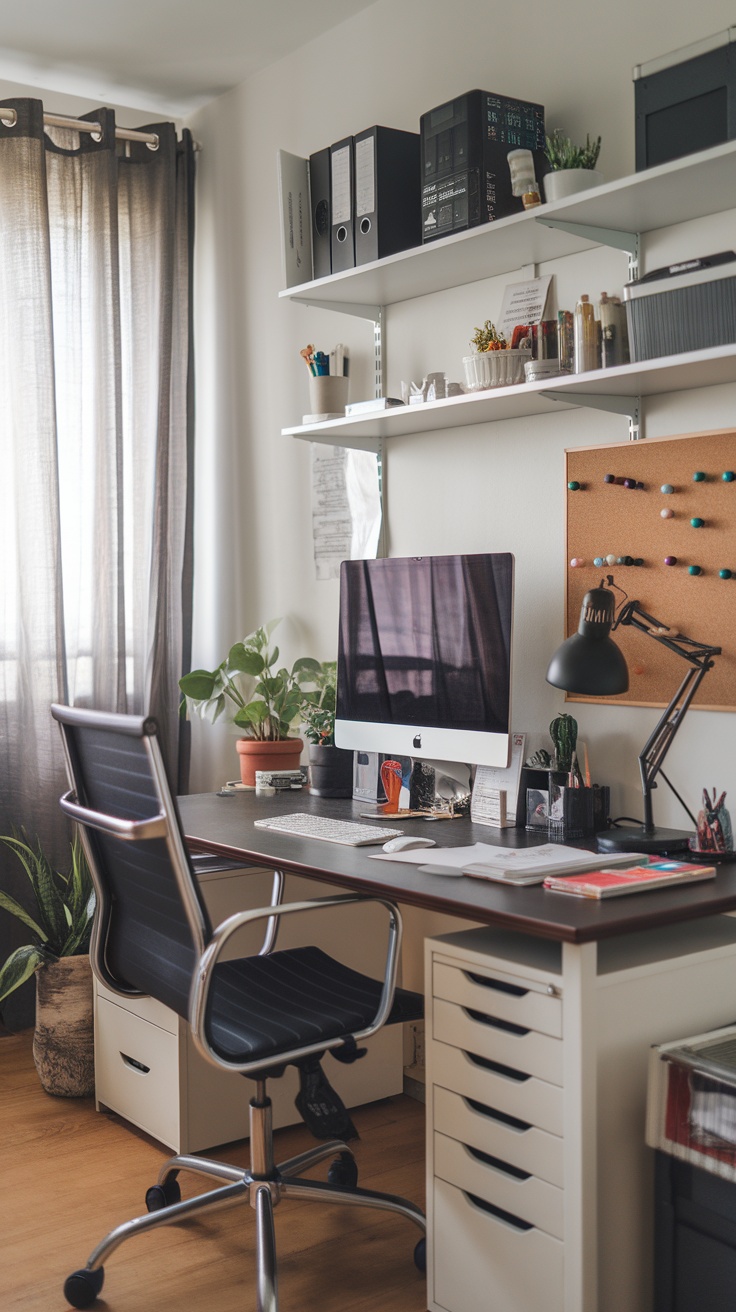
<point x="60" y="920"/>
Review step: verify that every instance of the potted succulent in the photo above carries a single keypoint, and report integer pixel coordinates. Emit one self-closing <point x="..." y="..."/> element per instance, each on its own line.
<point x="262" y="700"/>
<point x="330" y="767"/>
<point x="572" y="168"/>
<point x="60" y="923"/>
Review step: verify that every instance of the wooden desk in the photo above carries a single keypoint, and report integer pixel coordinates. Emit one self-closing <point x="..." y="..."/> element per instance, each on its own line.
<point x="225" y="825"/>
<point x="593" y="986"/>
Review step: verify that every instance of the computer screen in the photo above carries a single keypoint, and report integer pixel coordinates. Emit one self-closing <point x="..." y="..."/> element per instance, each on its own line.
<point x="424" y="657"/>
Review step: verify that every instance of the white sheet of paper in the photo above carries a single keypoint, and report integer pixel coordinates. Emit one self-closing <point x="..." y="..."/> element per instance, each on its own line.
<point x="346" y="507"/>
<point x="488" y="778"/>
<point x="523" y="302"/>
<point x="296" y="223"/>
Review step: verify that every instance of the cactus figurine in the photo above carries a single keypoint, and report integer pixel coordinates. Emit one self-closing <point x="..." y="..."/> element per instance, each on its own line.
<point x="564" y="734"/>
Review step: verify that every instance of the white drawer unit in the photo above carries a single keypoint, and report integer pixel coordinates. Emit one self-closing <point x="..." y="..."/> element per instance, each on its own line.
<point x="149" y="1072"/>
<point x="539" y="1183"/>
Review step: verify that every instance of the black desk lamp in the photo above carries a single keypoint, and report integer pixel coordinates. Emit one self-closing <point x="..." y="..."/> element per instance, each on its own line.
<point x="590" y="663"/>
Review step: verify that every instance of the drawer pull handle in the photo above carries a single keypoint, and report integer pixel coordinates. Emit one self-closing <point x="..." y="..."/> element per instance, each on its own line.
<point x="498" y="1212"/>
<point x="499" y="984"/>
<point x="507" y="1025"/>
<point x="512" y="1122"/>
<point x="135" y="1065"/>
<point x="508" y="1072"/>
<point x="497" y="1164"/>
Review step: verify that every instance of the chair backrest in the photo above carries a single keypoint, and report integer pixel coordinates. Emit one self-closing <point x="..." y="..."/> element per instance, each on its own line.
<point x="151" y="924"/>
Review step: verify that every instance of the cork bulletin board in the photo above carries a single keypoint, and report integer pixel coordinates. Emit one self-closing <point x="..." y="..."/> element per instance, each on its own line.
<point x="607" y="518"/>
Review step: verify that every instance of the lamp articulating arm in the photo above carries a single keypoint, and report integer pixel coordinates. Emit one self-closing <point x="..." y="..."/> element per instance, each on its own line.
<point x="700" y="658"/>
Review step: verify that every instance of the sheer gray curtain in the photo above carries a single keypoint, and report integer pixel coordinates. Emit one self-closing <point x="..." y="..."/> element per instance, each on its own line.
<point x="95" y="445"/>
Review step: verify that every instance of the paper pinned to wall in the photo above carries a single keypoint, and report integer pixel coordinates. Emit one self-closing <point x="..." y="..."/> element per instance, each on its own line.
<point x="346" y="507"/>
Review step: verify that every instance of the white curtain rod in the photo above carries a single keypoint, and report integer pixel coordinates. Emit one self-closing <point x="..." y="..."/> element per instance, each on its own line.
<point x="9" y="118"/>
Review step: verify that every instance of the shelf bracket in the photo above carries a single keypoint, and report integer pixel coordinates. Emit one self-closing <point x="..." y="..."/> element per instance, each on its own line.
<point x="620" y="240"/>
<point x="617" y="405"/>
<point x="344" y="307"/>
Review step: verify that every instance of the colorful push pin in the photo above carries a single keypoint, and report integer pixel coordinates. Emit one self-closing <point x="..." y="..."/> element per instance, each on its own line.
<point x="728" y="476"/>
<point x="609" y="478"/>
<point x="694" y="569"/>
<point x="696" y="522"/>
<point x="667" y="488"/>
<point x="576" y="562"/>
<point x="629" y="482"/>
<point x="627" y="560"/>
<point x="667" y="514"/>
<point x="670" y="560"/>
<point x="611" y="560"/>
<point x="725" y="573"/>
<point x="573" y="485"/>
<point x="598" y="561"/>
<point x="698" y="476"/>
<point x="638" y="560"/>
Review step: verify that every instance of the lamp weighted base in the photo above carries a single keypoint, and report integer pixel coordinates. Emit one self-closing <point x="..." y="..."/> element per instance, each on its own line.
<point x="635" y="838"/>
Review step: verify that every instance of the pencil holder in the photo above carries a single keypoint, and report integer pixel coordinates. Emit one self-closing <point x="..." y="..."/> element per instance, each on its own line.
<point x="328" y="396"/>
<point x="576" y="812"/>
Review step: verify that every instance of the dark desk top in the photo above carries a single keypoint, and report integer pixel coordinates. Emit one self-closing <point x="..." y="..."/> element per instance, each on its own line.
<point x="225" y="825"/>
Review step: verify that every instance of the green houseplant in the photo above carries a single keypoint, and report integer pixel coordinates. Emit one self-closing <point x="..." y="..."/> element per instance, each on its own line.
<point x="572" y="167"/>
<point x="60" y="923"/>
<point x="260" y="699"/>
<point x="330" y="767"/>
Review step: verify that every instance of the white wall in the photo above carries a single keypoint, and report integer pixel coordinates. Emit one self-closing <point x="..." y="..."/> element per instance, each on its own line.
<point x="497" y="486"/>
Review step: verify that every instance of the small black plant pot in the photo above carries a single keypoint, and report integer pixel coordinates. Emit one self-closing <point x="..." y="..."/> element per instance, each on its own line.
<point x="330" y="771"/>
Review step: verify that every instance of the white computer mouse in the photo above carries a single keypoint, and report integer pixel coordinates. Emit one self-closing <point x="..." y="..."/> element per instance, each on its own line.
<point x="406" y="842"/>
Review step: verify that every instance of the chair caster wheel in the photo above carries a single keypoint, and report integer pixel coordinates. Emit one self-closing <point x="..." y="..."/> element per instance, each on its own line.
<point x="420" y="1256"/>
<point x="81" y="1288"/>
<point x="343" y="1172"/>
<point x="163" y="1195"/>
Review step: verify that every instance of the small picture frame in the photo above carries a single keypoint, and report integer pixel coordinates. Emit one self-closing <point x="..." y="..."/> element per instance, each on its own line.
<point x="537" y="808"/>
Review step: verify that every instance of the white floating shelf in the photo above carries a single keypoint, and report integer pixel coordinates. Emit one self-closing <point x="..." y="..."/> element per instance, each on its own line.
<point x="676" y="373"/>
<point x="677" y="192"/>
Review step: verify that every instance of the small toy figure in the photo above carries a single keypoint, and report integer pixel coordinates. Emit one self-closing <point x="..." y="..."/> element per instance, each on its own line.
<point x="714" y="825"/>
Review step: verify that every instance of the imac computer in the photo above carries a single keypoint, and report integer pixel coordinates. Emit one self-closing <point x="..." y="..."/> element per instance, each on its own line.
<point x="424" y="657"/>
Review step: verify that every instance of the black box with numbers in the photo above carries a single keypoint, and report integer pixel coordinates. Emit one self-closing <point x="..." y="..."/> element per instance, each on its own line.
<point x="465" y="171"/>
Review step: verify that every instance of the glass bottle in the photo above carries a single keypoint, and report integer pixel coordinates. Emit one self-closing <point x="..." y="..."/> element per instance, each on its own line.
<point x="586" y="333"/>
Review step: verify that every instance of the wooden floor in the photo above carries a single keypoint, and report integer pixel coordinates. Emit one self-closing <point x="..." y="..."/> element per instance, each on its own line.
<point x="69" y="1174"/>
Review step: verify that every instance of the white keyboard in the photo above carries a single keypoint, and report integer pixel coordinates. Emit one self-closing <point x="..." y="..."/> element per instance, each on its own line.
<point x="347" y="832"/>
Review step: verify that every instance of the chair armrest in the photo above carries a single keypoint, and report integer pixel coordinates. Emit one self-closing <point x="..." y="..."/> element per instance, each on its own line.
<point x="224" y="932"/>
<point x="132" y="830"/>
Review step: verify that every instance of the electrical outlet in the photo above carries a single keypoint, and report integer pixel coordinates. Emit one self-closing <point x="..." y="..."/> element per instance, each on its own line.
<point x="416" y="1030"/>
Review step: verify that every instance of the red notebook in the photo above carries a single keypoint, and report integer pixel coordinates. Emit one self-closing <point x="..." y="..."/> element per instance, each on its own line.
<point x="638" y="879"/>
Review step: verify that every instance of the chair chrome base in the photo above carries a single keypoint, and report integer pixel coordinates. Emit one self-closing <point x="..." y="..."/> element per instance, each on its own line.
<point x="262" y="1186"/>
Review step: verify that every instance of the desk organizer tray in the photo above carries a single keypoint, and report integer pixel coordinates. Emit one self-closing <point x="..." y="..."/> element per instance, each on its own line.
<point x="689" y="306"/>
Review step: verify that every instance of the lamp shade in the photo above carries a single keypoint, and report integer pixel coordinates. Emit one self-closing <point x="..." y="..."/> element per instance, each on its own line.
<point x="589" y="663"/>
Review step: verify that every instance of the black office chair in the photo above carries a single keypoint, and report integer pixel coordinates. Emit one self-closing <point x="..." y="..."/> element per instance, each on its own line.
<point x="252" y="1016"/>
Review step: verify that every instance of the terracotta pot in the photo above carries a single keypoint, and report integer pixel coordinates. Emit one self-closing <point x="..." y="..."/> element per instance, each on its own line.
<point x="284" y="755"/>
<point x="63" y="1042"/>
<point x="330" y="771"/>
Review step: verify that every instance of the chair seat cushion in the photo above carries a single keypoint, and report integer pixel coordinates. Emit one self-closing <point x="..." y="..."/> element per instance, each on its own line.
<point x="260" y="1007"/>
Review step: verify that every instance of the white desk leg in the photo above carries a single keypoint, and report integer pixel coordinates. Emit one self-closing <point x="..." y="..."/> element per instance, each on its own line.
<point x="579" y="965"/>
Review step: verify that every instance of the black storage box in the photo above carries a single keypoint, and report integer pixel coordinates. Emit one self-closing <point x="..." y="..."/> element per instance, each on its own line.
<point x="686" y="101"/>
<point x="465" y="171"/>
<point x="688" y="306"/>
<point x="694" y="1239"/>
